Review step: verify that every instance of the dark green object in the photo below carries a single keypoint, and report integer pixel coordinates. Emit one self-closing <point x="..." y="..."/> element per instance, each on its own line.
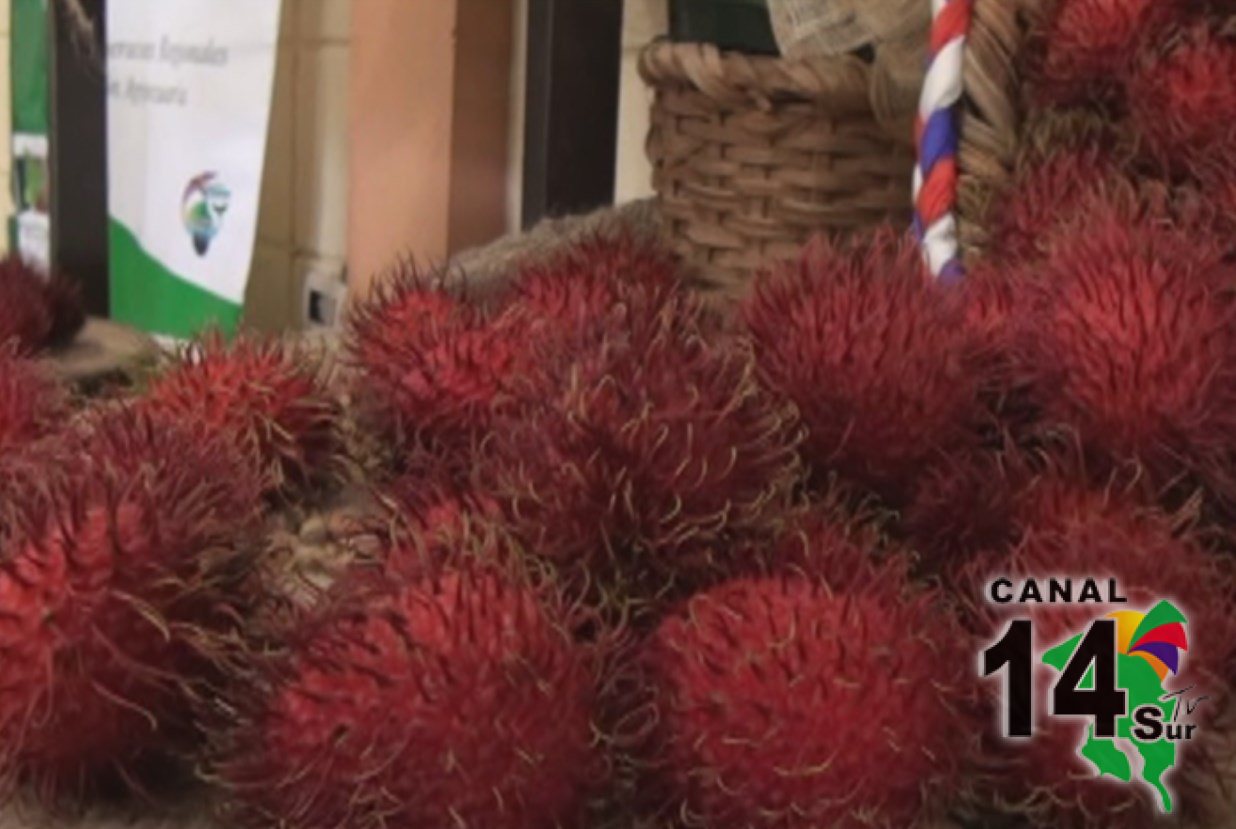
<point x="739" y="25"/>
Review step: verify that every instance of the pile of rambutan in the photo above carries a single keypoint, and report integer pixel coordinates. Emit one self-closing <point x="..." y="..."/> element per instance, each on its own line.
<point x="1130" y="344"/>
<point x="1087" y="46"/>
<point x="620" y="558"/>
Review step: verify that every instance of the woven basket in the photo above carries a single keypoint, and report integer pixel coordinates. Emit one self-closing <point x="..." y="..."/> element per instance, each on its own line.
<point x="989" y="114"/>
<point x="752" y="155"/>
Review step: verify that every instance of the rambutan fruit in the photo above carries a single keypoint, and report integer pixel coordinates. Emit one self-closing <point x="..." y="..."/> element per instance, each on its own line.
<point x="578" y="288"/>
<point x="432" y="367"/>
<point x="1087" y="533"/>
<point x="1084" y="47"/>
<point x="837" y="536"/>
<point x="642" y="447"/>
<point x="437" y="505"/>
<point x="991" y="299"/>
<point x="431" y="510"/>
<point x="31" y="403"/>
<point x="1049" y="192"/>
<point x="963" y="506"/>
<point x="25" y="318"/>
<point x="272" y="401"/>
<point x="457" y="700"/>
<point x="35" y="311"/>
<point x="1184" y="104"/>
<point x="1130" y="344"/>
<point x="875" y="356"/>
<point x="115" y="600"/>
<point x="779" y="702"/>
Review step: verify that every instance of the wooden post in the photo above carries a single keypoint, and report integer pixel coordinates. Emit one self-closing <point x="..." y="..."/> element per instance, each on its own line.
<point x="429" y="98"/>
<point x="571" y="131"/>
<point x="78" y="152"/>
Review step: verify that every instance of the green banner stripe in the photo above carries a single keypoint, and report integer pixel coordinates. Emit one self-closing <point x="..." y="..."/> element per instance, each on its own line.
<point x="148" y="296"/>
<point x="29" y="66"/>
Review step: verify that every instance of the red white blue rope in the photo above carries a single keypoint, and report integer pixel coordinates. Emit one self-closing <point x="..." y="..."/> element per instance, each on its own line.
<point x="937" y="134"/>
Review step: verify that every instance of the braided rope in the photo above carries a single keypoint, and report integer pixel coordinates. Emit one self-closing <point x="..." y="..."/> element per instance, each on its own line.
<point x="937" y="138"/>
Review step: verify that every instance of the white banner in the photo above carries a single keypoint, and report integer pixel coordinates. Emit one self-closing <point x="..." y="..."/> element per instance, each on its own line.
<point x="189" y="97"/>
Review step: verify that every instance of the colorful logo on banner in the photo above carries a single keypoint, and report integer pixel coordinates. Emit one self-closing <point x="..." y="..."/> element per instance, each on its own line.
<point x="1114" y="672"/>
<point x="203" y="207"/>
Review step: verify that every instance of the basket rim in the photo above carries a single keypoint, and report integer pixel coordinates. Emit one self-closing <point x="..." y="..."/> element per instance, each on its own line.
<point x="838" y="84"/>
<point x="991" y="112"/>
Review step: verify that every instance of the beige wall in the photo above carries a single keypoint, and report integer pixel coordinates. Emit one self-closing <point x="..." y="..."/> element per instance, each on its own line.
<point x="643" y="20"/>
<point x="6" y="156"/>
<point x="303" y="222"/>
<point x="429" y="89"/>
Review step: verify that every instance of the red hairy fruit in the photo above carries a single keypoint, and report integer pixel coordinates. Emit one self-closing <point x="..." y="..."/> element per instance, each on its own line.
<point x="1184" y="104"/>
<point x="1085" y="46"/>
<point x="577" y="289"/>
<point x="25" y="319"/>
<point x="271" y="400"/>
<point x="458" y="700"/>
<point x="835" y="542"/>
<point x="433" y="512"/>
<point x="36" y="312"/>
<point x="1070" y="531"/>
<point x="781" y="703"/>
<point x="1048" y="197"/>
<point x="31" y="403"/>
<point x="963" y="506"/>
<point x="991" y="299"/>
<point x="875" y="356"/>
<point x="432" y="367"/>
<point x="1130" y="344"/>
<point x="114" y="597"/>
<point x="642" y="446"/>
<point x="436" y="505"/>
<point x="1062" y="495"/>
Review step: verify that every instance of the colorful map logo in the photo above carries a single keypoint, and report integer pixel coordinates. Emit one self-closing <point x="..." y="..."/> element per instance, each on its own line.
<point x="1148" y="651"/>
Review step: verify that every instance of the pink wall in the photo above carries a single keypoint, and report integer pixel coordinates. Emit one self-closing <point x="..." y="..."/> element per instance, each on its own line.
<point x="429" y="111"/>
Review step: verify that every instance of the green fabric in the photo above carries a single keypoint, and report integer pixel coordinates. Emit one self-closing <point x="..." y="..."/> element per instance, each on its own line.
<point x="30" y="62"/>
<point x="148" y="296"/>
<point x="741" y="25"/>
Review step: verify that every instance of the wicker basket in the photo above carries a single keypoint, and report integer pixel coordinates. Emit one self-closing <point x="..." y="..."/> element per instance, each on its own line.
<point x="751" y="155"/>
<point x="990" y="114"/>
